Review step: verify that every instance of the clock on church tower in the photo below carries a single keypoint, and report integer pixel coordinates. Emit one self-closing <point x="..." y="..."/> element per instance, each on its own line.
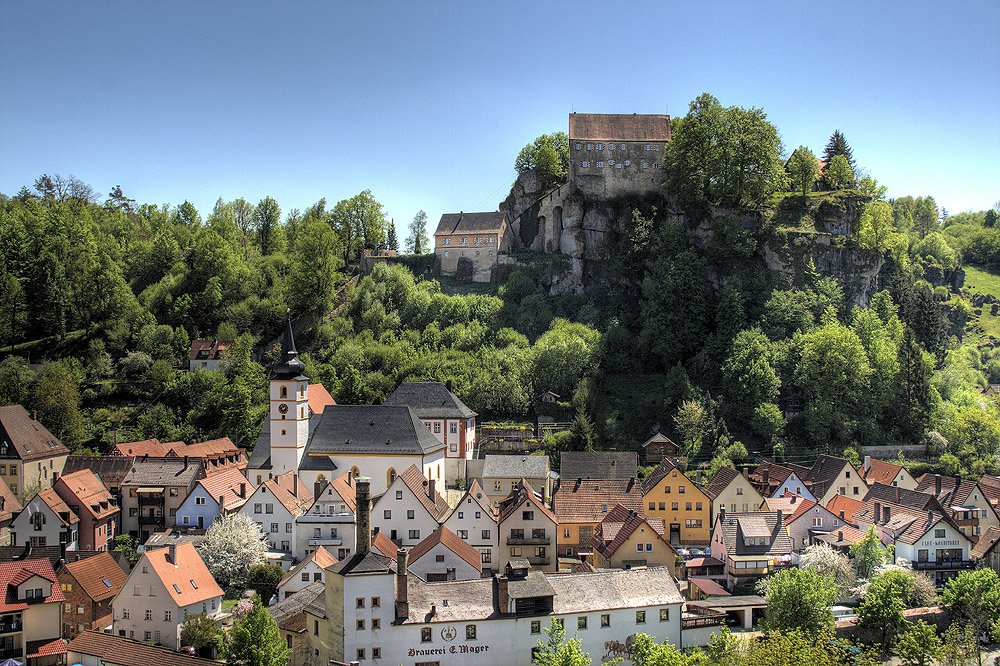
<point x="289" y="408"/>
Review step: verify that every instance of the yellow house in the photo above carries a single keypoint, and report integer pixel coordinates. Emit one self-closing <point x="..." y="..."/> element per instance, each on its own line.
<point x="580" y="504"/>
<point x="733" y="492"/>
<point x="626" y="539"/>
<point x="682" y="504"/>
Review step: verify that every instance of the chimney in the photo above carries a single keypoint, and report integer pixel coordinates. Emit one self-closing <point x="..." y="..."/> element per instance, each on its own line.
<point x="885" y="513"/>
<point x="447" y="385"/>
<point x="430" y="488"/>
<point x="503" y="598"/>
<point x="243" y="490"/>
<point x="794" y="497"/>
<point x="937" y="484"/>
<point x="897" y="494"/>
<point x="364" y="530"/>
<point x="317" y="489"/>
<point x="840" y="535"/>
<point x="295" y="484"/>
<point x="842" y="515"/>
<point x="545" y="494"/>
<point x="697" y="477"/>
<point x="402" y="600"/>
<point x="767" y="477"/>
<point x="34" y="415"/>
<point x="722" y="513"/>
<point x="222" y="505"/>
<point x="631" y="481"/>
<point x="172" y="554"/>
<point x="746" y="474"/>
<point x="781" y="517"/>
<point x="878" y="511"/>
<point x="185" y="462"/>
<point x="868" y="464"/>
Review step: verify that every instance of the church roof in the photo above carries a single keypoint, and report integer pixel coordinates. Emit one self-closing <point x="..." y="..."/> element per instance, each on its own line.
<point x="366" y="429"/>
<point x="429" y="400"/>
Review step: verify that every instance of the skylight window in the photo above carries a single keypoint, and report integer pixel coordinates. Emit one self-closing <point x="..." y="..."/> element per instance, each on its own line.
<point x="177" y="589"/>
<point x="106" y="582"/>
<point x="194" y="585"/>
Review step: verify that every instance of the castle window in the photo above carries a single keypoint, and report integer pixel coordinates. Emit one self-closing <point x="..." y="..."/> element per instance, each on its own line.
<point x="623" y="146"/>
<point x="611" y="146"/>
<point x="491" y="253"/>
<point x="611" y="162"/>
<point x="578" y="146"/>
<point x="446" y="253"/>
<point x="600" y="165"/>
<point x="645" y="165"/>
<point x="627" y="162"/>
<point x="656" y="148"/>
<point x="600" y="146"/>
<point x="585" y="164"/>
<point x="618" y="166"/>
<point x="478" y="240"/>
<point x="477" y="253"/>
<point x="463" y="241"/>
<point x="646" y="147"/>
<point x="447" y="241"/>
<point x="590" y="146"/>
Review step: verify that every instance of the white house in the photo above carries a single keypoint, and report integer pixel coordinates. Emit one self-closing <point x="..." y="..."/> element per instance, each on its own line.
<point x="443" y="556"/>
<point x="309" y="570"/>
<point x="275" y="505"/>
<point x="46" y="521"/>
<point x="476" y="521"/>
<point x="410" y="509"/>
<point x="166" y="585"/>
<point x="202" y="505"/>
<point x="773" y="480"/>
<point x="330" y="521"/>
<point x="527" y="530"/>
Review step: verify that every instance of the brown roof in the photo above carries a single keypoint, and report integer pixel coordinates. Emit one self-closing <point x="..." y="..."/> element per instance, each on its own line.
<point x="470" y="223"/>
<point x="383" y="544"/>
<point x="111" y="649"/>
<point x="100" y="576"/>
<point x="754" y="523"/>
<point x="598" y="464"/>
<point x="523" y="492"/>
<point x="9" y="505"/>
<point x="954" y="491"/>
<point x="227" y="483"/>
<point x="418" y="485"/>
<point x="842" y="537"/>
<point x="620" y="523"/>
<point x="845" y="504"/>
<point x="896" y="495"/>
<point x="720" y="481"/>
<point x="28" y="438"/>
<point x="207" y="449"/>
<point x="986" y="542"/>
<point x="990" y="486"/>
<point x="709" y="587"/>
<point x="344" y="486"/>
<point x="89" y="493"/>
<point x="319" y="398"/>
<point x="707" y="561"/>
<point x="59" y="506"/>
<point x="776" y="475"/>
<point x="880" y="472"/>
<point x="793" y="506"/>
<point x="476" y="493"/>
<point x="147" y="447"/>
<point x="589" y="501"/>
<point x="823" y="473"/>
<point x="449" y="540"/>
<point x="110" y="469"/>
<point x="291" y="492"/>
<point x="187" y="580"/>
<point x="204" y="350"/>
<point x="619" y="127"/>
<point x="321" y="556"/>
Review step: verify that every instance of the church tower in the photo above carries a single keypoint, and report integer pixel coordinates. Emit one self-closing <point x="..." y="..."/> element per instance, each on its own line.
<point x="289" y="408"/>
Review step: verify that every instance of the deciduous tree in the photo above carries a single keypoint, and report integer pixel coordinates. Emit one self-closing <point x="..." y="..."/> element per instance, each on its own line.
<point x="267" y="220"/>
<point x="838" y="172"/>
<point x="555" y="652"/>
<point x="417" y="241"/>
<point x="919" y="646"/>
<point x="803" y="170"/>
<point x="548" y="156"/>
<point x="800" y="599"/>
<point x="232" y="546"/>
<point x="256" y="640"/>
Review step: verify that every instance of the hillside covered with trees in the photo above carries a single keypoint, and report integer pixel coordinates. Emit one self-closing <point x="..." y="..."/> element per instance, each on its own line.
<point x="694" y="336"/>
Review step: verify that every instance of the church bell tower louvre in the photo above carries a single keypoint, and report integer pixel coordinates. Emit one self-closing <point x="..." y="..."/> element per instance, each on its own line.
<point x="288" y="414"/>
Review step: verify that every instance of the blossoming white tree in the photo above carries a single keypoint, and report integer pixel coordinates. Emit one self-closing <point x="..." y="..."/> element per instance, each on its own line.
<point x="232" y="545"/>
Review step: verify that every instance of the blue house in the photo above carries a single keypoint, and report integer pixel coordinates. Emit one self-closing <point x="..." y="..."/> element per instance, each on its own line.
<point x="221" y="493"/>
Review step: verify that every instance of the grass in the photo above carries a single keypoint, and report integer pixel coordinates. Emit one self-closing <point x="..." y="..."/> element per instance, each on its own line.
<point x="50" y="346"/>
<point x="981" y="281"/>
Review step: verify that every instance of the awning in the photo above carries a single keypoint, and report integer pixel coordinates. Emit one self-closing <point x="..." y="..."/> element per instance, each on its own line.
<point x="149" y="489"/>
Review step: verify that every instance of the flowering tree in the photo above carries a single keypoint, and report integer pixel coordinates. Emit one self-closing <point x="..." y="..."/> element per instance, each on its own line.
<point x="232" y="546"/>
<point x="824" y="560"/>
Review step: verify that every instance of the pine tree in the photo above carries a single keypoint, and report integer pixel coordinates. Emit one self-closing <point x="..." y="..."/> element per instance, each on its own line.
<point x="392" y="241"/>
<point x="838" y="146"/>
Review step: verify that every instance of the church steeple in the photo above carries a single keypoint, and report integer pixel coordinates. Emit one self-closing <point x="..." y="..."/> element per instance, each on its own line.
<point x="289" y="366"/>
<point x="289" y="409"/>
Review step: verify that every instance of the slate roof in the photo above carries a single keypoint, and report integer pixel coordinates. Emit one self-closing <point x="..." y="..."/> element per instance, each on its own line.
<point x="169" y="536"/>
<point x="880" y="471"/>
<point x="414" y="479"/>
<point x="720" y="481"/>
<point x="227" y="483"/>
<point x="896" y="495"/>
<point x="442" y="535"/>
<point x="121" y="651"/>
<point x="288" y="489"/>
<point x="163" y="472"/>
<point x="367" y="563"/>
<point x="91" y="495"/>
<point x="515" y="467"/>
<point x="764" y="523"/>
<point x="986" y="543"/>
<point x="14" y="573"/>
<point x="58" y="506"/>
<point x="598" y="464"/>
<point x="28" y="438"/>
<point x="365" y="429"/>
<point x="189" y="573"/>
<point x="321" y="556"/>
<point x="429" y="400"/>
<point x="469" y="223"/>
<point x="9" y="504"/>
<point x="110" y="469"/>
<point x="91" y="573"/>
<point x="619" y="127"/>
<point x="289" y="613"/>
<point x="589" y="501"/>
<point x="52" y="553"/>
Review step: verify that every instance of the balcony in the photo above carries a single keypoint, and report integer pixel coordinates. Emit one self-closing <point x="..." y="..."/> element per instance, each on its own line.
<point x="11" y="653"/>
<point x="151" y="520"/>
<point x="320" y="541"/>
<point x="538" y="561"/>
<point x="528" y="541"/>
<point x="10" y="627"/>
<point x="758" y="571"/>
<point x="944" y="564"/>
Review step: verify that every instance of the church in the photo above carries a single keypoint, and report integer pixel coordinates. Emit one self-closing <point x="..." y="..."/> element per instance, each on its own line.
<point x="373" y="441"/>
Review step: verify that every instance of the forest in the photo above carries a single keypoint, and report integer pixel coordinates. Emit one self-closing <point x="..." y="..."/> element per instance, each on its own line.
<point x="100" y="301"/>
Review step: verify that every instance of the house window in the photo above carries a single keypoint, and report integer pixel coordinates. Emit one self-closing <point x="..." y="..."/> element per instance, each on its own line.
<point x="486" y="555"/>
<point x="666" y="490"/>
<point x="673" y="506"/>
<point x="376" y="651"/>
<point x="387" y="514"/>
<point x="536" y="627"/>
<point x="739" y="491"/>
<point x="581" y="622"/>
<point x="269" y="508"/>
<point x="453" y="428"/>
<point x="399" y="494"/>
<point x="640" y="617"/>
<point x="463" y="534"/>
<point x="697" y="506"/>
<point x="288" y="528"/>
<point x="680" y="489"/>
<point x="359" y="602"/>
<point x="274" y="527"/>
<point x="566" y="531"/>
<point x="125" y="614"/>
<point x="146" y="636"/>
<point x="664" y="615"/>
<point x="486" y="534"/>
<point x="527" y="515"/>
<point x="652" y="507"/>
<point x="305" y="577"/>
<point x="409" y="514"/>
<point x="496" y="485"/>
<point x="605" y="620"/>
<point x="687" y="506"/>
<point x="437" y="428"/>
<point x="638" y="547"/>
<point x="359" y="625"/>
<point x="470" y="632"/>
<point x="414" y="534"/>
<point x="166" y="615"/>
<point x="376" y="602"/>
<point x="149" y="614"/>
<point x="173" y="492"/>
<point x="855" y="490"/>
<point x="425" y="634"/>
<point x="939" y="533"/>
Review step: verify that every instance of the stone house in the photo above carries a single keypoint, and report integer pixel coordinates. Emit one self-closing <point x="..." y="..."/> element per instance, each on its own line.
<point x="165" y="586"/>
<point x="442" y="556"/>
<point x="46" y="520"/>
<point x="30" y="456"/>
<point x="30" y="612"/>
<point x="579" y="505"/>
<point x="615" y="154"/>
<point x="410" y="509"/>
<point x="479" y="238"/>
<point x="89" y="586"/>
<point x="681" y="502"/>
<point x="87" y="497"/>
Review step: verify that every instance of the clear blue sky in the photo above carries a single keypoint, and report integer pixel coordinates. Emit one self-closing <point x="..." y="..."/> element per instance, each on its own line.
<point x="427" y="104"/>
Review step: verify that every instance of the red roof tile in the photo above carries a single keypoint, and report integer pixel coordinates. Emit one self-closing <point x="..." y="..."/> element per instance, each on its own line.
<point x="22" y="570"/>
<point x="190" y="575"/>
<point x="880" y="472"/>
<point x="9" y="504"/>
<point x="418" y="485"/>
<point x="91" y="574"/>
<point x="319" y="398"/>
<point x="147" y="447"/>
<point x="449" y="540"/>
<point x="589" y="500"/>
<point x="59" y="506"/>
<point x="845" y="504"/>
<point x="45" y="648"/>
<point x="84" y="490"/>
<point x="227" y="484"/>
<point x="288" y="489"/>
<point x="112" y="649"/>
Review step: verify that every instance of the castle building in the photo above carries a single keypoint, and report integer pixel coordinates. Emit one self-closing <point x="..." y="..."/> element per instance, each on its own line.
<point x="617" y="153"/>
<point x="479" y="238"/>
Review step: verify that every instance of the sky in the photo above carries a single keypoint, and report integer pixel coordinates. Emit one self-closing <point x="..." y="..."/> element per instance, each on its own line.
<point x="427" y="104"/>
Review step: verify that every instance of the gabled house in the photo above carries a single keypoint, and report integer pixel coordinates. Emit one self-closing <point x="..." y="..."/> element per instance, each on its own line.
<point x="443" y="556"/>
<point x="681" y="502"/>
<point x="153" y="491"/>
<point x="309" y="570"/>
<point x="476" y="521"/>
<point x="579" y="505"/>
<point x="469" y="244"/>
<point x="732" y="491"/>
<point x="30" y="455"/>
<point x="410" y="509"/>
<point x="95" y="647"/>
<point x="752" y="544"/>
<point x="843" y="507"/>
<point x="275" y="506"/>
<point x="598" y="465"/>
<point x="9" y="507"/>
<point x="215" y="496"/>
<point x="30" y="612"/>
<point x="87" y="497"/>
<point x="527" y="530"/>
<point x="165" y="586"/>
<point x="803" y="518"/>
<point x="985" y="550"/>
<point x="501" y="473"/>
<point x="89" y="586"/>
<point x="963" y="501"/>
<point x="831" y="476"/>
<point x="773" y="480"/>
<point x="625" y="539"/>
<point x="891" y="474"/>
<point x="208" y="354"/>
<point x="290" y="616"/>
<point x="216" y="455"/>
<point x="330" y="520"/>
<point x="658" y="447"/>
<point x="46" y="520"/>
<point x="110" y="469"/>
<point x="147" y="448"/>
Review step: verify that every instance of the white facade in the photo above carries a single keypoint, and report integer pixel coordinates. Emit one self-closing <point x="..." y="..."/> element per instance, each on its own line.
<point x="941" y="543"/>
<point x="442" y="563"/>
<point x="475" y="523"/>
<point x="329" y="523"/>
<point x="39" y="525"/>
<point x="401" y="516"/>
<point x="528" y="532"/>
<point x="793" y="484"/>
<point x="274" y="520"/>
<point x="309" y="573"/>
<point x="288" y="416"/>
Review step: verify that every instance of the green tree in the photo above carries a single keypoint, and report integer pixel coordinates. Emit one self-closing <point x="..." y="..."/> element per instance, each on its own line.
<point x="315" y="265"/>
<point x="750" y="378"/>
<point x="838" y="172"/>
<point x="266" y="221"/>
<point x="675" y="307"/>
<point x="204" y="635"/>
<point x="256" y="641"/>
<point x="925" y="216"/>
<point x="392" y="241"/>
<point x="876" y="227"/>
<point x="548" y="157"/>
<point x="919" y="646"/>
<point x="838" y="146"/>
<point x="555" y="652"/>
<point x="881" y="611"/>
<point x="803" y="169"/>
<point x="263" y="579"/>
<point x="800" y="599"/>
<point x="973" y="597"/>
<point x="868" y="554"/>
<point x="360" y="224"/>
<point x="417" y="241"/>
